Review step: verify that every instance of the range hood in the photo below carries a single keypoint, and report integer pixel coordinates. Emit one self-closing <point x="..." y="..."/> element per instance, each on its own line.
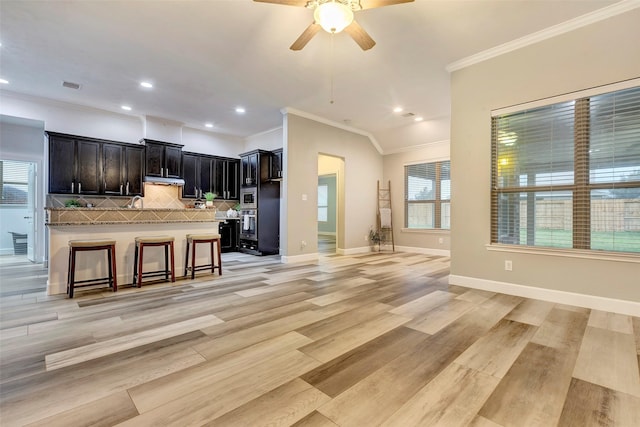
<point x="163" y="181"/>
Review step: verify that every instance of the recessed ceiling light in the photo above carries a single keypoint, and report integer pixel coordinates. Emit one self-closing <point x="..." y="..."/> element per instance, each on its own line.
<point x="397" y="110"/>
<point x="418" y="119"/>
<point x="146" y="84"/>
<point x="240" y="110"/>
<point x="126" y="107"/>
<point x="4" y="82"/>
<point x="209" y="125"/>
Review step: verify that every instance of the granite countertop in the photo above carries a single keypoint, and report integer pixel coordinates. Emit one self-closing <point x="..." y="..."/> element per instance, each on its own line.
<point x="106" y="216"/>
<point x="126" y="209"/>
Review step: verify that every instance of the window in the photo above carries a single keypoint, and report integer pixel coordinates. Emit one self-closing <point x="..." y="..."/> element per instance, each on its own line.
<point x="427" y="195"/>
<point x="323" y="203"/>
<point x="567" y="175"/>
<point x="14" y="185"/>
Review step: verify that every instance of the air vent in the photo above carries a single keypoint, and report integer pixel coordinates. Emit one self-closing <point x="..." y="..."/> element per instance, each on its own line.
<point x="408" y="115"/>
<point x="71" y="85"/>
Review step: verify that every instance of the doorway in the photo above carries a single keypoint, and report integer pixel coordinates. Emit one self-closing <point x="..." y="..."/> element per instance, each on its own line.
<point x="327" y="213"/>
<point x="17" y="211"/>
<point x="330" y="190"/>
<point x="22" y="190"/>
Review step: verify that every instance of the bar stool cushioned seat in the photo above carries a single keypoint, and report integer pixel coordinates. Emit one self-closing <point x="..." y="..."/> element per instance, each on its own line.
<point x="211" y="238"/>
<point x="138" y="261"/>
<point x="76" y="246"/>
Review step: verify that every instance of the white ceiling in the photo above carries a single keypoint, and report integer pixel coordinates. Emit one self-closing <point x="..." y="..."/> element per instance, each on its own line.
<point x="207" y="57"/>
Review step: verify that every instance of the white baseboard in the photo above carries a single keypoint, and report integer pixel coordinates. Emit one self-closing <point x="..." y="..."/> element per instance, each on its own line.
<point x="299" y="258"/>
<point x="8" y="251"/>
<point x="629" y="308"/>
<point x="354" y="251"/>
<point x="426" y="251"/>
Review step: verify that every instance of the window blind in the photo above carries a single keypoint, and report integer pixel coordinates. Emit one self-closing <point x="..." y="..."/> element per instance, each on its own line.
<point x="14" y="185"/>
<point x="427" y="194"/>
<point x="568" y="175"/>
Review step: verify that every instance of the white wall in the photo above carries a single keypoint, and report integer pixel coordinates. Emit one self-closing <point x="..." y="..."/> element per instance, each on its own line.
<point x="73" y="119"/>
<point x="85" y="121"/>
<point x="269" y="140"/>
<point x="394" y="171"/>
<point x="199" y="141"/>
<point x="595" y="55"/>
<point x="305" y="140"/>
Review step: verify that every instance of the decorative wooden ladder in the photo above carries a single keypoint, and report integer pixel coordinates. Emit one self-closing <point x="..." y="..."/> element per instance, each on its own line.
<point x="384" y="217"/>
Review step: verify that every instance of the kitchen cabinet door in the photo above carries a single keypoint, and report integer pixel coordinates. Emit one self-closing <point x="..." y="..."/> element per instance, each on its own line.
<point x="88" y="167"/>
<point x="154" y="160"/>
<point x="173" y="162"/>
<point x="205" y="177"/>
<point x="61" y="165"/>
<point x="112" y="169"/>
<point x="226" y="177"/>
<point x="275" y="167"/>
<point x="249" y="169"/>
<point x="191" y="176"/>
<point x="134" y="171"/>
<point x="232" y="179"/>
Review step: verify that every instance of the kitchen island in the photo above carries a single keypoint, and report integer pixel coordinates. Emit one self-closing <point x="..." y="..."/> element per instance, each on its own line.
<point x="123" y="226"/>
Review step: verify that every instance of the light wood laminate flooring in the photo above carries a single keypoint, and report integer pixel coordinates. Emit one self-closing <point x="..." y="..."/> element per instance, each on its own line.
<point x="367" y="340"/>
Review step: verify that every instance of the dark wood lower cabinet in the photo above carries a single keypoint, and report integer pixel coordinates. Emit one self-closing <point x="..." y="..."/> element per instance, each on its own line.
<point x="229" y="231"/>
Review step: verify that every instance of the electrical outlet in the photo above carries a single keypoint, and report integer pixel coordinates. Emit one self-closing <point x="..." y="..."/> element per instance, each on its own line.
<point x="366" y="238"/>
<point x="508" y="265"/>
<point x="440" y="240"/>
<point x="303" y="243"/>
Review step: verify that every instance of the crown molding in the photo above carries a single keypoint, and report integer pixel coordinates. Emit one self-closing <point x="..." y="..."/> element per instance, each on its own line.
<point x="264" y="132"/>
<point x="416" y="147"/>
<point x="372" y="139"/>
<point x="556" y="30"/>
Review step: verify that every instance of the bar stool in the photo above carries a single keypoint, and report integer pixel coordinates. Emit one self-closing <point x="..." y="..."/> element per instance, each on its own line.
<point x="202" y="238"/>
<point x="76" y="246"/>
<point x="138" y="260"/>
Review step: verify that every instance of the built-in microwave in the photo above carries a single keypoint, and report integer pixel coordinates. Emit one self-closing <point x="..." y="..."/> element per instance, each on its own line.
<point x="249" y="198"/>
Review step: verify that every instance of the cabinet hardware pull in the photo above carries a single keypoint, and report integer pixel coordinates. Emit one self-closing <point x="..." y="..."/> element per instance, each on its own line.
<point x="72" y="187"/>
<point x="121" y="189"/>
<point x="127" y="188"/>
<point x="79" y="187"/>
<point x="162" y="172"/>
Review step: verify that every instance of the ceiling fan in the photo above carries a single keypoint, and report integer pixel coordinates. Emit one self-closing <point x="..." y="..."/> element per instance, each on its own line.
<point x="334" y="16"/>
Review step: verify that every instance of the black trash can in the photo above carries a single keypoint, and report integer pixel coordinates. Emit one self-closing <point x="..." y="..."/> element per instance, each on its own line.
<point x="19" y="243"/>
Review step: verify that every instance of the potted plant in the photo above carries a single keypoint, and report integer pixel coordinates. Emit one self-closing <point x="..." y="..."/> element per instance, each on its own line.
<point x="209" y="196"/>
<point x="72" y="203"/>
<point x="375" y="237"/>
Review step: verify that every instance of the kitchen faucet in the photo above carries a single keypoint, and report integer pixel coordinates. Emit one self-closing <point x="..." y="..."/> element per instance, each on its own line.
<point x="132" y="204"/>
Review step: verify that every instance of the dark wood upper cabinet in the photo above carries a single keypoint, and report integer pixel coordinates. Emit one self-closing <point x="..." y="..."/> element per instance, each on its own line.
<point x="226" y="178"/>
<point x="249" y="174"/>
<point x="112" y="169"/>
<point x="74" y="165"/>
<point x="123" y="167"/>
<point x="275" y="167"/>
<point x="203" y="173"/>
<point x="134" y="170"/>
<point x="62" y="164"/>
<point x="191" y="175"/>
<point x="91" y="166"/>
<point x="163" y="159"/>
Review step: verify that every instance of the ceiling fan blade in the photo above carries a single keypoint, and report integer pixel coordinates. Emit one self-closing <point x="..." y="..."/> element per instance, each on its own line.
<point x="306" y="35"/>
<point x="360" y="36"/>
<point x="301" y="3"/>
<point x="371" y="4"/>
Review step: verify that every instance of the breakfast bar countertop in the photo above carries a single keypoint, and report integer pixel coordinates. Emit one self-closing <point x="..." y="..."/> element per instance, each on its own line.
<point x="104" y="216"/>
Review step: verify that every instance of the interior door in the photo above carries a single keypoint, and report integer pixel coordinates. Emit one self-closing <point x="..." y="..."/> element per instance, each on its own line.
<point x="31" y="216"/>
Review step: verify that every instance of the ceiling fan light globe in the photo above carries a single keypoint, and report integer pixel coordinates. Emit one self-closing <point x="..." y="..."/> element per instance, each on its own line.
<point x="333" y="17"/>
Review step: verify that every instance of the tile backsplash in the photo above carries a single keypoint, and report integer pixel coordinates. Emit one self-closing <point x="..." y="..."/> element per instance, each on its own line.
<point x="155" y="197"/>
